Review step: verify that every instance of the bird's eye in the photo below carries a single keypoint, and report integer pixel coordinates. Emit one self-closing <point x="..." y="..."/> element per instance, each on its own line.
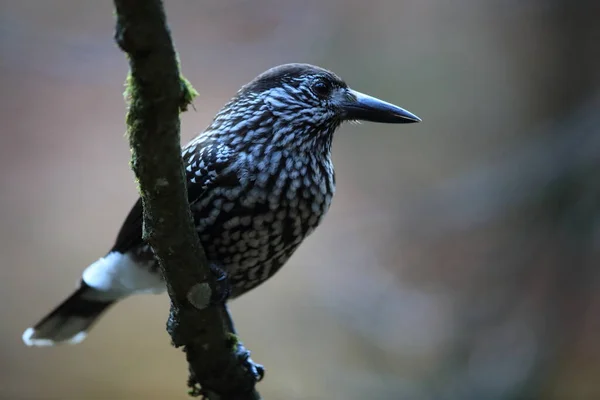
<point x="321" y="88"/>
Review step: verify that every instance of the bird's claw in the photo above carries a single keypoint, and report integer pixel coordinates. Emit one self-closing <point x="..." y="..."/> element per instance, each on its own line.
<point x="256" y="370"/>
<point x="251" y="374"/>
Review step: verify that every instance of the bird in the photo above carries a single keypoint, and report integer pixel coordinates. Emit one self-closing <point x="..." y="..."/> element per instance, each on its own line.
<point x="260" y="179"/>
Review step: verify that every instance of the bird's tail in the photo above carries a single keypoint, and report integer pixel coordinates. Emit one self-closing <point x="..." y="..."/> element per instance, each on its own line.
<point x="70" y="321"/>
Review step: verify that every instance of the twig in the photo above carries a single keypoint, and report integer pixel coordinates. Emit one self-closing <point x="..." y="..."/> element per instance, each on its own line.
<point x="218" y="362"/>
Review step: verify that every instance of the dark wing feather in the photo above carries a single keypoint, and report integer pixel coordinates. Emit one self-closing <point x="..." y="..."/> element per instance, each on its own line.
<point x="206" y="165"/>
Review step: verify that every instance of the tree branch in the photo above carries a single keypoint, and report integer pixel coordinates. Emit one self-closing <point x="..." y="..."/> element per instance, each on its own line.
<point x="218" y="362"/>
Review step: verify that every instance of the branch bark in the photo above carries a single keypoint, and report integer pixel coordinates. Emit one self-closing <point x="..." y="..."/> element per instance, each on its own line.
<point x="218" y="362"/>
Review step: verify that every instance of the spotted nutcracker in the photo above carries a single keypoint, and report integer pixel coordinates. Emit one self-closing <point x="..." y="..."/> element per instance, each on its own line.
<point x="260" y="179"/>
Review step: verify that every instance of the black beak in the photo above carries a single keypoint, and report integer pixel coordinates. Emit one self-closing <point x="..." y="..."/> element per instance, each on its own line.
<point x="359" y="106"/>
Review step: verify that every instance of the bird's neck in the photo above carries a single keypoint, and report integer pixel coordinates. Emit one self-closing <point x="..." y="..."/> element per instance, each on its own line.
<point x="302" y="138"/>
<point x="241" y="131"/>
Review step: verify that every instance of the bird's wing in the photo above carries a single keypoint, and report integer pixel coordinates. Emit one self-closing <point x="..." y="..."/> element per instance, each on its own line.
<point x="205" y="166"/>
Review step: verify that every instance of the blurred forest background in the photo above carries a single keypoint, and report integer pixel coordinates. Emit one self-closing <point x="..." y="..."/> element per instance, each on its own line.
<point x="459" y="259"/>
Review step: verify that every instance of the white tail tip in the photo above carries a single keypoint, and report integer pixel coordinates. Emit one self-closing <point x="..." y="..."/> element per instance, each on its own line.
<point x="30" y="340"/>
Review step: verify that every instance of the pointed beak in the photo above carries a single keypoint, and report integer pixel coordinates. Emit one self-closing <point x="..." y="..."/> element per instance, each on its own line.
<point x="360" y="106"/>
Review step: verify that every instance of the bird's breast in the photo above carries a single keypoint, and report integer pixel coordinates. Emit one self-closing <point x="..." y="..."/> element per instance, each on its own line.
<point x="253" y="229"/>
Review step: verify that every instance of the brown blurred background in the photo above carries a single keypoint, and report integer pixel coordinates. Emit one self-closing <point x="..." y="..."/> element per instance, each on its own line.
<point x="459" y="259"/>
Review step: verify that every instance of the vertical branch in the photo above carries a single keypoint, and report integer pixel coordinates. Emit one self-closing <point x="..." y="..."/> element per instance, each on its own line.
<point x="218" y="362"/>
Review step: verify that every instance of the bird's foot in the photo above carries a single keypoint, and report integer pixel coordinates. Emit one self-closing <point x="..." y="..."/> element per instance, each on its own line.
<point x="244" y="379"/>
<point x="256" y="371"/>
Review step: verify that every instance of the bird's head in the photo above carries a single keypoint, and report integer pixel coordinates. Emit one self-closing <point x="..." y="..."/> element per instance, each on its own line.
<point x="302" y="105"/>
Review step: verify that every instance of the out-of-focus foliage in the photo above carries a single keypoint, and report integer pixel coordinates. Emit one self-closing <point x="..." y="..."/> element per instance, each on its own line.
<point x="459" y="260"/>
